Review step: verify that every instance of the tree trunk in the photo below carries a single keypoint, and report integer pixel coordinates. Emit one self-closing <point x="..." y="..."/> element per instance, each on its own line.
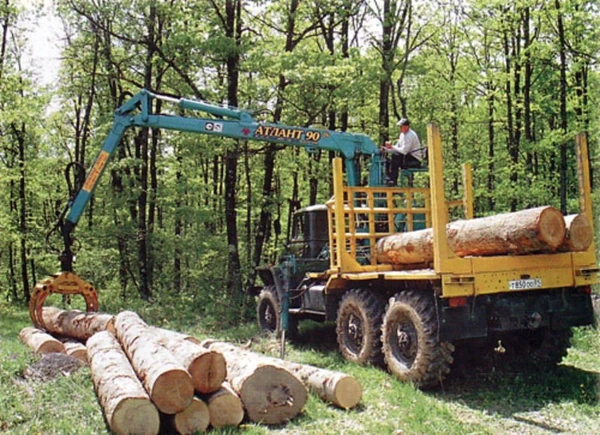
<point x="126" y="405"/>
<point x="579" y="235"/>
<point x="166" y="380"/>
<point x="76" y="324"/>
<point x="40" y="341"/>
<point x="563" y="105"/>
<point x="528" y="231"/>
<point x="206" y="367"/>
<point x="269" y="392"/>
<point x="233" y="28"/>
<point x="225" y="407"/>
<point x="194" y="418"/>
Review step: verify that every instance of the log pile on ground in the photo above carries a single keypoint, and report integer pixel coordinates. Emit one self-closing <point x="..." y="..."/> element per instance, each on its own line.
<point x="145" y="377"/>
<point x="270" y="393"/>
<point x="336" y="388"/>
<point x="536" y="230"/>
<point x="126" y="404"/>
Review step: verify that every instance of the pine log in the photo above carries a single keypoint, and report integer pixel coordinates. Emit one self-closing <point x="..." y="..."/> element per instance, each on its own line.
<point x="207" y="367"/>
<point x="194" y="418"/>
<point x="76" y="349"/>
<point x="579" y="235"/>
<point x="333" y="387"/>
<point x="126" y="404"/>
<point x="76" y="324"/>
<point x="528" y="231"/>
<point x="225" y="407"/>
<point x="270" y="393"/>
<point x="40" y="341"/>
<point x="412" y="247"/>
<point x="167" y="382"/>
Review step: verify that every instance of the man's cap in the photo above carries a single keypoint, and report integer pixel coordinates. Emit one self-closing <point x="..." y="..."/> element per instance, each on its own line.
<point x="402" y="122"/>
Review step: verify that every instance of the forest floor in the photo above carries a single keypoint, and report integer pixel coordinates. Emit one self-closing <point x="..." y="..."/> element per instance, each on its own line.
<point x="565" y="400"/>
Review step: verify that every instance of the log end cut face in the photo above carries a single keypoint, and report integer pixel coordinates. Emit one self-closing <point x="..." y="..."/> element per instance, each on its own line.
<point x="172" y="391"/>
<point x="580" y="233"/>
<point x="136" y="416"/>
<point x="552" y="227"/>
<point x="348" y="392"/>
<point x="208" y="372"/>
<point x="225" y="409"/>
<point x="273" y="395"/>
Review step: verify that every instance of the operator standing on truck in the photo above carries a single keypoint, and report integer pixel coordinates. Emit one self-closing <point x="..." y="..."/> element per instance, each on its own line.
<point x="406" y="152"/>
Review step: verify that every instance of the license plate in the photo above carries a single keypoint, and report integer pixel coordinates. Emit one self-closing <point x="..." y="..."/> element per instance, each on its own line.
<point x="525" y="284"/>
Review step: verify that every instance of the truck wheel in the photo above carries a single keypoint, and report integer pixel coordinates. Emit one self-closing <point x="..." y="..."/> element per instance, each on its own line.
<point x="411" y="348"/>
<point x="268" y="310"/>
<point x="359" y="326"/>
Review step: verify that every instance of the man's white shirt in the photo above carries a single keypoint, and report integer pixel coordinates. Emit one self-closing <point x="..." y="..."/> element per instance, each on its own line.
<point x="409" y="143"/>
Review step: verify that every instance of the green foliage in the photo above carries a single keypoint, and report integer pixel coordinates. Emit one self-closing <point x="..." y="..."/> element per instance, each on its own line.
<point x="451" y="67"/>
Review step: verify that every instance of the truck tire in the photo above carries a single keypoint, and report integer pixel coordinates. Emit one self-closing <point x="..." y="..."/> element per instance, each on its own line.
<point x="359" y="326"/>
<point x="268" y="313"/>
<point x="410" y="344"/>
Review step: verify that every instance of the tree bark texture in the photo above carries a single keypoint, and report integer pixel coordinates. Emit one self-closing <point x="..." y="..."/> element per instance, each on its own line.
<point x="126" y="404"/>
<point x="194" y="418"/>
<point x="528" y="231"/>
<point x="167" y="382"/>
<point x="76" y="324"/>
<point x="269" y="392"/>
<point x="206" y="367"/>
<point x="40" y="341"/>
<point x="579" y="235"/>
<point x="225" y="407"/>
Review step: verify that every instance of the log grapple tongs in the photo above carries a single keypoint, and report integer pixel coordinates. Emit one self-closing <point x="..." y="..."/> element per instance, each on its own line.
<point x="65" y="282"/>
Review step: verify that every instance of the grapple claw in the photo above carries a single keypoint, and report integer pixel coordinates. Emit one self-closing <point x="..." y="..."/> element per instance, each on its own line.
<point x="65" y="283"/>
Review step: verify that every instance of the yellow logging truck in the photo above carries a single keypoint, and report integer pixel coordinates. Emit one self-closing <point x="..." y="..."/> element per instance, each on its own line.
<point x="339" y="266"/>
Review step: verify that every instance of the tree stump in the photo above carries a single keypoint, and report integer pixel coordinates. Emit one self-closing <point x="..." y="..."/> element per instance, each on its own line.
<point x="126" y="404"/>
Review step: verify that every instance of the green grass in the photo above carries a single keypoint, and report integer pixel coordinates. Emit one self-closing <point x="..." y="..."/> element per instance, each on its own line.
<point x="565" y="400"/>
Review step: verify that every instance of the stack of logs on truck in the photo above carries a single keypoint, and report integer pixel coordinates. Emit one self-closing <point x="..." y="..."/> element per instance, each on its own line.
<point x="153" y="380"/>
<point x="410" y="287"/>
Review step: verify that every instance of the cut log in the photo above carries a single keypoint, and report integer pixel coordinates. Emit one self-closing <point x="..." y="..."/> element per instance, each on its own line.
<point x="333" y="387"/>
<point x="579" y="235"/>
<point x="76" y="324"/>
<point x="528" y="231"/>
<point x="167" y="382"/>
<point x="207" y="367"/>
<point x="413" y="247"/>
<point x="76" y="349"/>
<point x="270" y="393"/>
<point x="40" y="341"/>
<point x="225" y="407"/>
<point x="127" y="406"/>
<point x="194" y="418"/>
